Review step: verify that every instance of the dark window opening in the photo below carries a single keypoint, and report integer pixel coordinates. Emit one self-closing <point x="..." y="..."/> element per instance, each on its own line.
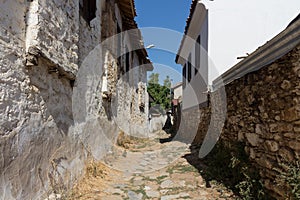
<point x="88" y="9"/>
<point x="127" y="63"/>
<point x="72" y="83"/>
<point x="198" y="54"/>
<point x="189" y="69"/>
<point x="119" y="46"/>
<point x="184" y="72"/>
<point x="142" y="108"/>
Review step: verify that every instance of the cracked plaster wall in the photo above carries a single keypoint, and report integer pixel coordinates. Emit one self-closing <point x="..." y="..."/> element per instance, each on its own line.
<point x="43" y="44"/>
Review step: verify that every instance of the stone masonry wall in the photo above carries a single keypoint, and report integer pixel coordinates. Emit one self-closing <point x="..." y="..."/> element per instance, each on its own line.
<point x="53" y="115"/>
<point x="52" y="31"/>
<point x="132" y="107"/>
<point x="37" y="154"/>
<point x="90" y="33"/>
<point x="36" y="114"/>
<point x="263" y="112"/>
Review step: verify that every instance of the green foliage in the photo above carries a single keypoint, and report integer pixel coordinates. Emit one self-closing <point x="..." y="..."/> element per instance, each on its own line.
<point x="154" y="78"/>
<point x="232" y="167"/>
<point x="167" y="82"/>
<point x="292" y="178"/>
<point x="160" y="93"/>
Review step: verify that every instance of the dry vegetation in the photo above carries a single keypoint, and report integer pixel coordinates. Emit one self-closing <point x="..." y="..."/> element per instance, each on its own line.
<point x="96" y="175"/>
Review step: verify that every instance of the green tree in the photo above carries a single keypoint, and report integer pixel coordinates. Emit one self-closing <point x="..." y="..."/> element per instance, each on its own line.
<point x="167" y="82"/>
<point x="153" y="78"/>
<point x="160" y="93"/>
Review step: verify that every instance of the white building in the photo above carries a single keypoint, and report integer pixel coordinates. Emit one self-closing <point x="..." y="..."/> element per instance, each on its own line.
<point x="177" y="90"/>
<point x="192" y="55"/>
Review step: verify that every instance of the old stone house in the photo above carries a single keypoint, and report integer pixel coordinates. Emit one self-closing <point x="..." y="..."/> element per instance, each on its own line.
<point x="262" y="100"/>
<point x="72" y="78"/>
<point x="193" y="57"/>
<point x="255" y="103"/>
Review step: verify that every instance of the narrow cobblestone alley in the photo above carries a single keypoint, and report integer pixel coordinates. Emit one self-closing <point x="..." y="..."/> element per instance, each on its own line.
<point x="147" y="169"/>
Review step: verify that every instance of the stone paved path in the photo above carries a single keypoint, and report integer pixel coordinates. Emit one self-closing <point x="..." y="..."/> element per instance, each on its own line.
<point x="147" y="170"/>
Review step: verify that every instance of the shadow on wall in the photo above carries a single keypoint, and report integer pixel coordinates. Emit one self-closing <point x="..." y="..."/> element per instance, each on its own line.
<point x="54" y="94"/>
<point x="45" y="151"/>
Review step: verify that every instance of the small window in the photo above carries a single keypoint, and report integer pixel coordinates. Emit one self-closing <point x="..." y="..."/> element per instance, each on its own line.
<point x="119" y="47"/>
<point x="127" y="57"/>
<point x="197" y="54"/>
<point x="184" y="75"/>
<point x="184" y="71"/>
<point x="189" y="69"/>
<point x="88" y="9"/>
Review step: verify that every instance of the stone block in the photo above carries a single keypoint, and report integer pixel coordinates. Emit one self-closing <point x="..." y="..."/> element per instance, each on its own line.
<point x="286" y="85"/>
<point x="272" y="146"/>
<point x="297" y="129"/>
<point x="277" y="138"/>
<point x="264" y="162"/>
<point x="241" y="136"/>
<point x="294" y="145"/>
<point x="259" y="129"/>
<point x="252" y="138"/>
<point x="252" y="153"/>
<point x="290" y="135"/>
<point x="277" y="118"/>
<point x="281" y="127"/>
<point x="286" y="154"/>
<point x="291" y="114"/>
<point x="273" y="128"/>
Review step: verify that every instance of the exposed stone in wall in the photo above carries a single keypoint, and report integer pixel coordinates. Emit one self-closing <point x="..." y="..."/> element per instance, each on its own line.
<point x="13" y="76"/>
<point x="131" y="118"/>
<point x="36" y="151"/>
<point x="141" y="96"/>
<point x="45" y="135"/>
<point x="109" y="77"/>
<point x="263" y="111"/>
<point x="54" y="36"/>
<point x="108" y="20"/>
<point x="90" y="33"/>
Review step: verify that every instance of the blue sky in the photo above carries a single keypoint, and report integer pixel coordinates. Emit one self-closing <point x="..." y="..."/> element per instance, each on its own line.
<point x="163" y="14"/>
<point x="235" y="28"/>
